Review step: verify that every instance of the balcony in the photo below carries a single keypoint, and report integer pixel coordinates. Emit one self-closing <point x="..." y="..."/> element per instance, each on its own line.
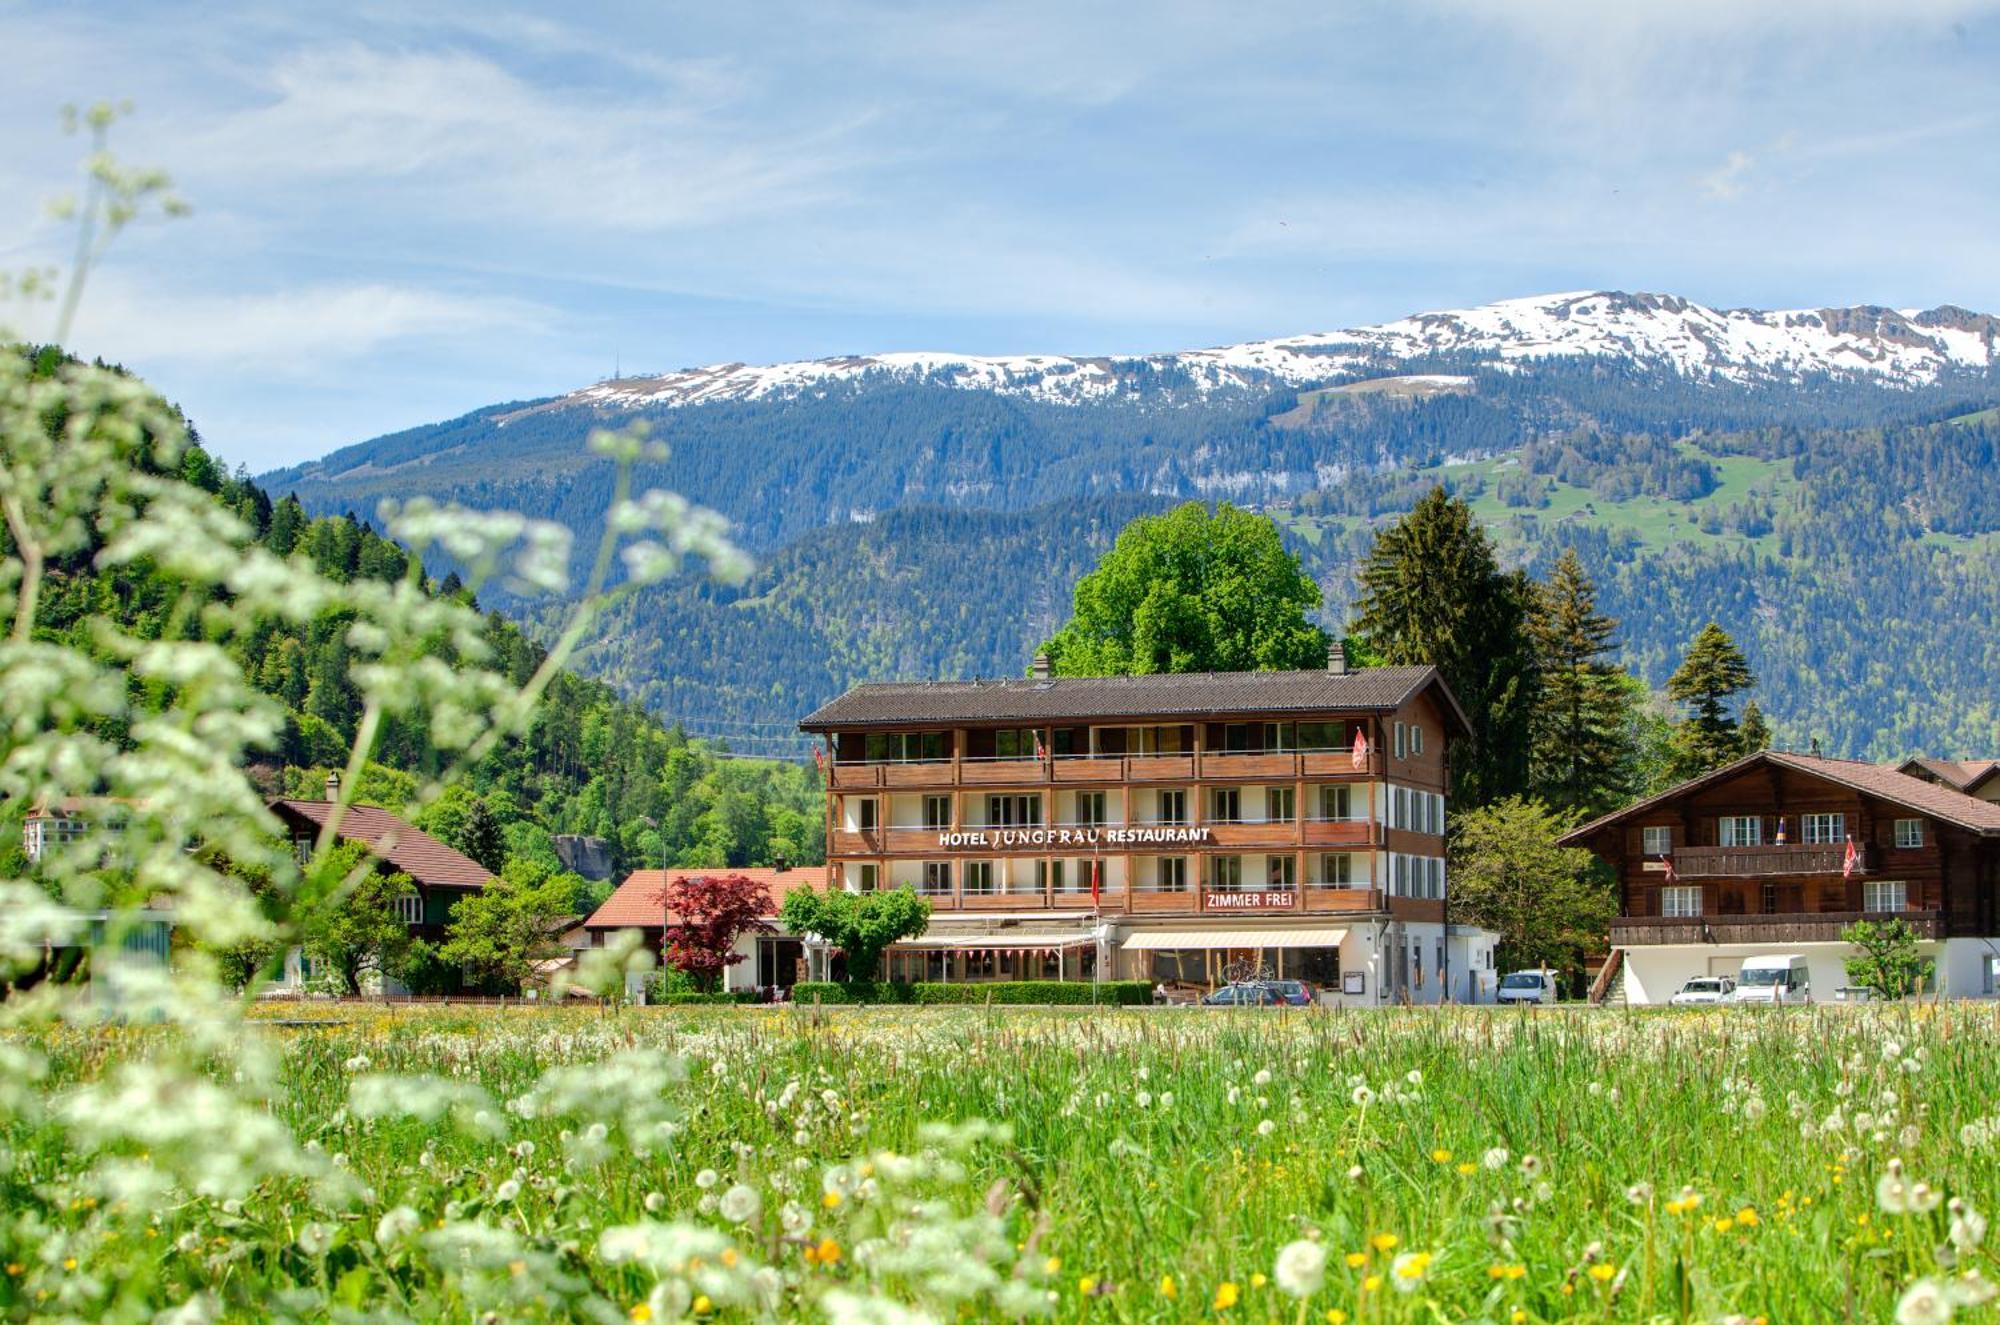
<point x="1773" y="930"/>
<point x="1763" y="861"/>
<point x="1280" y="766"/>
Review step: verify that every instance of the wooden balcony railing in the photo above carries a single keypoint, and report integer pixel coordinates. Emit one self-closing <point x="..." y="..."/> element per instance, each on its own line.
<point x="1762" y="861"/>
<point x="1823" y="927"/>
<point x="1105" y="769"/>
<point x="1313" y="899"/>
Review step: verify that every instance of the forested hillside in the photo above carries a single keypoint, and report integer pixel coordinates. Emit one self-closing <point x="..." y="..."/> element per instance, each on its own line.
<point x="1842" y="528"/>
<point x="593" y="762"/>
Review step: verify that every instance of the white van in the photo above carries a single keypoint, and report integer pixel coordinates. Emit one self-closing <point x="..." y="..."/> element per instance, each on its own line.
<point x="1528" y="987"/>
<point x="1781" y="978"/>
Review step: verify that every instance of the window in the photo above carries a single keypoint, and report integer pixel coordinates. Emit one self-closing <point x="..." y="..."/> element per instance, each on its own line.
<point x="1821" y="829"/>
<point x="1013" y="811"/>
<point x="1437" y="877"/>
<point x="1090" y="808"/>
<point x="936" y="880"/>
<point x="1279" y="804"/>
<point x="866" y="875"/>
<point x="1336" y="803"/>
<point x="1225" y="873"/>
<point x="1909" y="832"/>
<point x="1336" y="870"/>
<point x="1657" y="841"/>
<point x="1173" y="874"/>
<point x="1416" y="739"/>
<point x="1399" y="807"/>
<point x="1188" y="966"/>
<point x="1281" y="873"/>
<point x="1883" y="895"/>
<point x="868" y="813"/>
<point x="979" y="877"/>
<point x="1230" y="738"/>
<point x="1679" y="901"/>
<point x="1402" y="742"/>
<point x="937" y="811"/>
<point x="410" y="908"/>
<point x="1225" y="805"/>
<point x="1316" y="966"/>
<point x="1741" y="830"/>
<point x="1016" y="743"/>
<point x="1051" y="872"/>
<point x="1770" y="899"/>
<point x="1323" y="736"/>
<point x="906" y="747"/>
<point x="1173" y="807"/>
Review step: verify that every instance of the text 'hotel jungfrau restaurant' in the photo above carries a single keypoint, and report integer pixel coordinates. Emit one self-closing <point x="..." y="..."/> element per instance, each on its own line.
<point x="1185" y="829"/>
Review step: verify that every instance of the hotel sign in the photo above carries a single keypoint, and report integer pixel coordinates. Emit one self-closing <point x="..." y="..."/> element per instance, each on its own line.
<point x="1272" y="901"/>
<point x="1074" y="837"/>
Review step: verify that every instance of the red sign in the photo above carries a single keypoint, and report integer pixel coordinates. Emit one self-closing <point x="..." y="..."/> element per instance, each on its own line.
<point x="1273" y="901"/>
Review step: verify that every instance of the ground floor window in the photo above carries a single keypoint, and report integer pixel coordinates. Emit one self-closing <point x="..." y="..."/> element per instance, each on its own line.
<point x="1318" y="966"/>
<point x="1180" y="966"/>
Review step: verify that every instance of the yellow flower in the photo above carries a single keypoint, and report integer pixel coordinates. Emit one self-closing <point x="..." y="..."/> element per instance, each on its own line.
<point x="640" y="1311"/>
<point x="1383" y="1241"/>
<point x="1747" y="1217"/>
<point x="702" y="1306"/>
<point x="1356" y="1259"/>
<point x="1258" y="1280"/>
<point x="1441" y="1156"/>
<point x="1051" y="1265"/>
<point x="1413" y="1265"/>
<point x="1371" y="1283"/>
<point x="1335" y="1316"/>
<point x="1467" y="1169"/>
<point x="1724" y="1223"/>
<point x="517" y="1267"/>
<point x="70" y="1263"/>
<point x="830" y="1200"/>
<point x="1603" y="1273"/>
<point x="1167" y="1288"/>
<point x="1517" y="1317"/>
<point x="828" y="1251"/>
<point x="1225" y="1295"/>
<point x="1086" y="1285"/>
<point x="729" y="1257"/>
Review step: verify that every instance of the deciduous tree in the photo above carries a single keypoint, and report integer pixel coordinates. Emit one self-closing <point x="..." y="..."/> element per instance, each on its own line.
<point x="1550" y="904"/>
<point x="1887" y="961"/>
<point x="707" y="914"/>
<point x="498" y="934"/>
<point x="861" y="925"/>
<point x="347" y="915"/>
<point x="1191" y="591"/>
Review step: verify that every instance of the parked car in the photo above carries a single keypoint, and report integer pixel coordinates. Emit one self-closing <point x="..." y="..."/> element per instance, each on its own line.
<point x="1528" y="987"/>
<point x="1703" y="989"/>
<point x="1243" y="993"/>
<point x="1292" y="993"/>
<point x="1779" y="978"/>
<point x="1854" y="994"/>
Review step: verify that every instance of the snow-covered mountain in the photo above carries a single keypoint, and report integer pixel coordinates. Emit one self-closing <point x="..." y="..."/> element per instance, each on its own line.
<point x="1895" y="346"/>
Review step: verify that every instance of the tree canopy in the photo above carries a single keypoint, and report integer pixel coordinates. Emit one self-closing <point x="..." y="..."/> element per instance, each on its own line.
<point x="1580" y="738"/>
<point x="1712" y="673"/>
<point x="712" y="911"/>
<point x="1191" y="591"/>
<point x="861" y="925"/>
<point x="1550" y="904"/>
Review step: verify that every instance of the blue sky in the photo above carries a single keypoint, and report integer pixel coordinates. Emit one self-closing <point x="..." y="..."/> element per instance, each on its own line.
<point x="404" y="211"/>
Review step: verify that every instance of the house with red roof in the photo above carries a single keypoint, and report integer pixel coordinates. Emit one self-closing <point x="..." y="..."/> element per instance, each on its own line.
<point x="771" y="961"/>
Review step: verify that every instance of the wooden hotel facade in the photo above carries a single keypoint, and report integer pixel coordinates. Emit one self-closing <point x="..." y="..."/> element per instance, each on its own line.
<point x="1181" y="828"/>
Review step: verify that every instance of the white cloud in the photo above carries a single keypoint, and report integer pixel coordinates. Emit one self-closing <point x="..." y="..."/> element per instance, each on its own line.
<point x="304" y="331"/>
<point x="1726" y="180"/>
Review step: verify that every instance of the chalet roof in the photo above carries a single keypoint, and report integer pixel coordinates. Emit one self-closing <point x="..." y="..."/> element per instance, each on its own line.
<point x="1887" y="784"/>
<point x="1959" y="774"/>
<point x="636" y="902"/>
<point x="405" y="846"/>
<point x="1173" y="695"/>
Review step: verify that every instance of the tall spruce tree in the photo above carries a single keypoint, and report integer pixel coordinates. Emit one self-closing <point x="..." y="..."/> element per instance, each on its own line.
<point x="1433" y="592"/>
<point x="1713" y="671"/>
<point x="1579" y="729"/>
<point x="483" y="839"/>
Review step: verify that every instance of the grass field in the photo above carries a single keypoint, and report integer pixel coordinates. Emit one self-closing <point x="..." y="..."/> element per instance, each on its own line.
<point x="1151" y="1165"/>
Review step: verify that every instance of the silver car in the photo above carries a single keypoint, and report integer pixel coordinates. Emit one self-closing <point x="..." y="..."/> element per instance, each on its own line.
<point x="1703" y="989"/>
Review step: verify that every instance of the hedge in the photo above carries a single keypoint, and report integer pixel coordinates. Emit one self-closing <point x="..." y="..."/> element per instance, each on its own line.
<point x="1124" y="993"/>
<point x="683" y="997"/>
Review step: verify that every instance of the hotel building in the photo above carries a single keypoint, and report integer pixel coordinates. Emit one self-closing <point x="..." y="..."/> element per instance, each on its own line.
<point x="1185" y="829"/>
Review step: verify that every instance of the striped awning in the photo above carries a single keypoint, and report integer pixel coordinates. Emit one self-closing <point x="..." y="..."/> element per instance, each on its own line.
<point x="1009" y="940"/>
<point x="1293" y="936"/>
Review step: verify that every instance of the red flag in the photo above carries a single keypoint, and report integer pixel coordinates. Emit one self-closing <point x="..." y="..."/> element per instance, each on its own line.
<point x="819" y="758"/>
<point x="1041" y="751"/>
<point x="1094" y="865"/>
<point x="1852" y="861"/>
<point x="1360" y="748"/>
<point x="1670" y="868"/>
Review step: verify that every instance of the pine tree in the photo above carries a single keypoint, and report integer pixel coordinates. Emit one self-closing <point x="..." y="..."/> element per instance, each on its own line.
<point x="1433" y="592"/>
<point x="483" y="839"/>
<point x="288" y="521"/>
<point x="1714" y="670"/>
<point x="1579" y="731"/>
<point x="1754" y="731"/>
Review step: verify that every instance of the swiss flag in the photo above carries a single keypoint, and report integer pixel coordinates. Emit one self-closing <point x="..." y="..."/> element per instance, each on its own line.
<point x="1671" y="876"/>
<point x="1852" y="861"/>
<point x="1095" y="865"/>
<point x="1360" y="748"/>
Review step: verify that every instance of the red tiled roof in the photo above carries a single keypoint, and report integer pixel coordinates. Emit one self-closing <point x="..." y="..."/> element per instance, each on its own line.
<point x="1958" y="774"/>
<point x="1888" y="784"/>
<point x="637" y="902"/>
<point x="404" y="845"/>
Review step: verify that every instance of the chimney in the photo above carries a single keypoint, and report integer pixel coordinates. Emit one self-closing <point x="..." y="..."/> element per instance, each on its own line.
<point x="780" y="864"/>
<point x="1041" y="666"/>
<point x="333" y="785"/>
<point x="1336" y="658"/>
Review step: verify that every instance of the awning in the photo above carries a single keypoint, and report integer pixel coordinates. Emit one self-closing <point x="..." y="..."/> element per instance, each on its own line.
<point x="1009" y="940"/>
<point x="1295" y="936"/>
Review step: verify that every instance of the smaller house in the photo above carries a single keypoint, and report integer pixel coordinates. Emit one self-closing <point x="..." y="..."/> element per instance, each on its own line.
<point x="53" y="824"/>
<point x="1974" y="777"/>
<point x="771" y="961"/>
<point x="442" y="874"/>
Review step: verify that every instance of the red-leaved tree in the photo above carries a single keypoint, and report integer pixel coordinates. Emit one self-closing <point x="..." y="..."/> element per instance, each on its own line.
<point x="707" y="913"/>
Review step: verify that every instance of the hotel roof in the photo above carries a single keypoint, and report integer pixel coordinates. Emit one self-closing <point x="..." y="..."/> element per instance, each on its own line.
<point x="639" y="902"/>
<point x="1178" y="695"/>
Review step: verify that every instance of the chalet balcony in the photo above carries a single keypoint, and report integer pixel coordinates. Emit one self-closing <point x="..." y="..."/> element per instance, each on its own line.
<point x="1763" y="861"/>
<point x="1106" y="769"/>
<point x="1773" y="930"/>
